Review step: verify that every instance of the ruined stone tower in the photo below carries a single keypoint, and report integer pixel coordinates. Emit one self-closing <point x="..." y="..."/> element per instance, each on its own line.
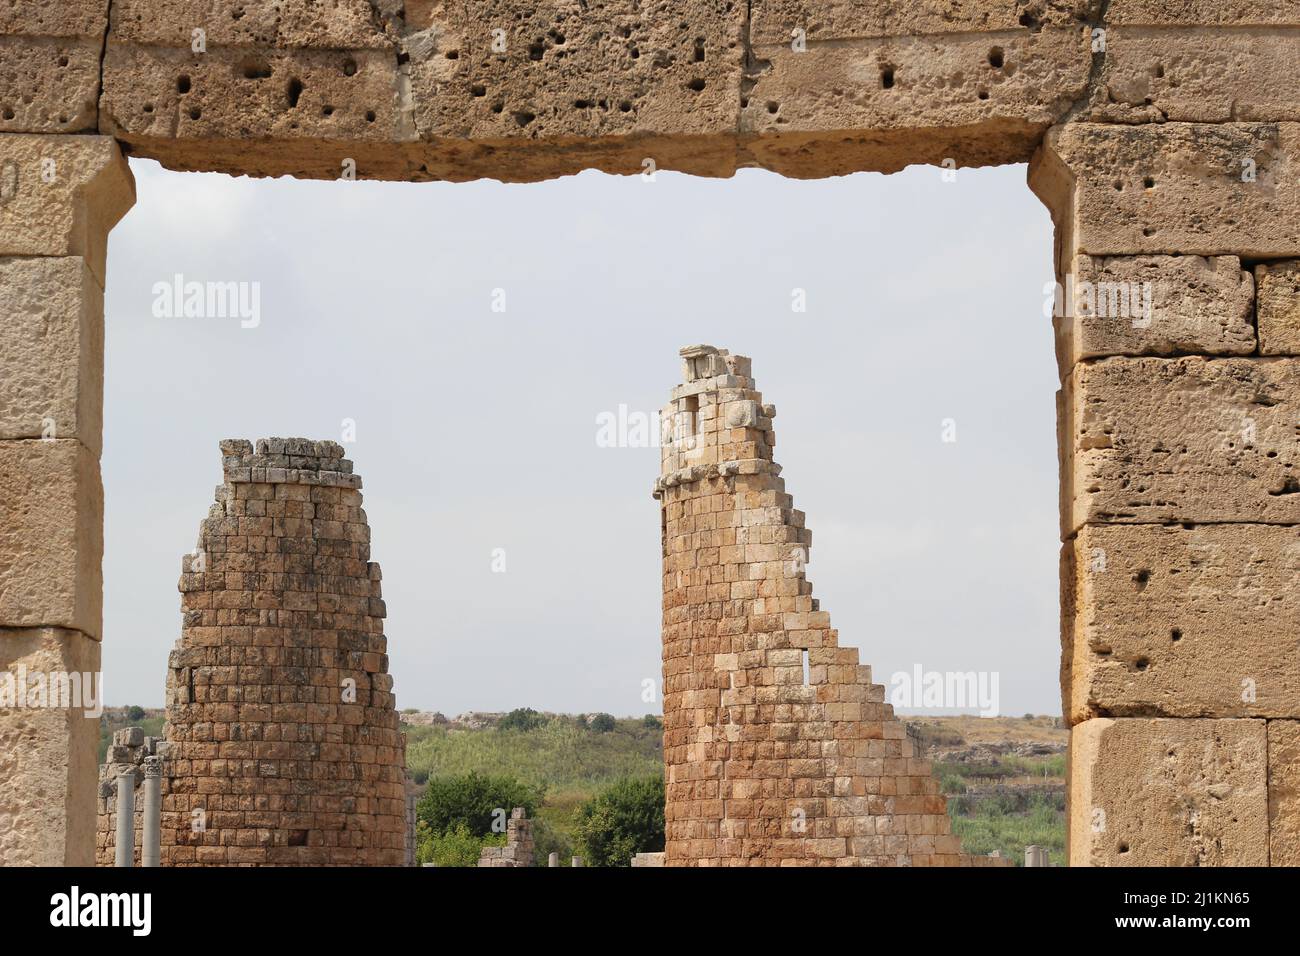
<point x="778" y="749"/>
<point x="281" y="743"/>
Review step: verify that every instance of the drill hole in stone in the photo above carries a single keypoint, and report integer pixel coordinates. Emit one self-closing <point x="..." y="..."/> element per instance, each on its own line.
<point x="349" y="67"/>
<point x="478" y="90"/>
<point x="886" y="77"/>
<point x="1148" y="182"/>
<point x="1175" y="635"/>
<point x="182" y="84"/>
<point x="983" y="94"/>
<point x="535" y="51"/>
<point x="256" y="68"/>
<point x="696" y="84"/>
<point x="995" y="58"/>
<point x="195" y="113"/>
<point x="1142" y="579"/>
<point x="370" y="116"/>
<point x="294" y="92"/>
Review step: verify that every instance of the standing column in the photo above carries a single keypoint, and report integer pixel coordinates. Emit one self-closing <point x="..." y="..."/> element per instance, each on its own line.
<point x="151" y="837"/>
<point x="1180" y="488"/>
<point x="124" y="846"/>
<point x="59" y="196"/>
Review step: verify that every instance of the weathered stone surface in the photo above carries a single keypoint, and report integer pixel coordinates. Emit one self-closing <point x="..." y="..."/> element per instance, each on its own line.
<point x="1201" y="76"/>
<point x="1284" y="792"/>
<point x="51" y="535"/>
<point x="59" y="196"/>
<point x="1277" y="308"/>
<point x="49" y="65"/>
<point x="1167" y="621"/>
<point x="241" y="94"/>
<point x="51" y="368"/>
<point x="1180" y="440"/>
<point x="47" y="753"/>
<point x="1172" y="188"/>
<point x="773" y="20"/>
<point x="48" y="84"/>
<point x="1168" y="793"/>
<point x="927" y="88"/>
<point x="1141" y="305"/>
<point x="607" y="68"/>
<point x="1203" y="12"/>
<point x="336" y="25"/>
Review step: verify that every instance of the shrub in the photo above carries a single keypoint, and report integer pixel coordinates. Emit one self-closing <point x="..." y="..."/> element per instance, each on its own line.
<point x="455" y="847"/>
<point x="474" y="799"/>
<point x="521" y="718"/>
<point x="650" y="720"/>
<point x="135" y="712"/>
<point x="602" y="723"/>
<point x="624" y="819"/>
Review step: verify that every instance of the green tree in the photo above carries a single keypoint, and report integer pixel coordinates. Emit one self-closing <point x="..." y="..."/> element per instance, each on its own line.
<point x="624" y="819"/>
<point x="521" y="718"/>
<point x="456" y="847"/>
<point x="135" y="712"/>
<point x="602" y="723"/>
<point x="652" y="720"/>
<point x="474" y="799"/>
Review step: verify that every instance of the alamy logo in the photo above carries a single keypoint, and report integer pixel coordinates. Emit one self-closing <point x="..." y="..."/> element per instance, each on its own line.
<point x="626" y="428"/>
<point x="74" y="908"/>
<point x="21" y="689"/>
<point x="180" y="299"/>
<point x="945" y="690"/>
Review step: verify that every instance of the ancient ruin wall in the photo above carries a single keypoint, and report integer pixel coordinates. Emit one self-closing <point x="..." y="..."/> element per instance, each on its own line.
<point x="281" y="742"/>
<point x="1165" y="140"/>
<point x="779" y="750"/>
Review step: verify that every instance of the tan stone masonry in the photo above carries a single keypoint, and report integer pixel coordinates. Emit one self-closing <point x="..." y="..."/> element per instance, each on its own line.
<point x="1164" y="138"/>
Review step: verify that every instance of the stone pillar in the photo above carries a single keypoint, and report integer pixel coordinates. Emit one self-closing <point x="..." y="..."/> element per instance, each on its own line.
<point x="59" y="196"/>
<point x="778" y="747"/>
<point x="124" y="854"/>
<point x="1180" y="487"/>
<point x="150" y="840"/>
<point x="553" y="860"/>
<point x="1036" y="856"/>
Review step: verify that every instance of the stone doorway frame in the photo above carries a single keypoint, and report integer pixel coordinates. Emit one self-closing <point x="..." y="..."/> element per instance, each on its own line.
<point x="1163" y="141"/>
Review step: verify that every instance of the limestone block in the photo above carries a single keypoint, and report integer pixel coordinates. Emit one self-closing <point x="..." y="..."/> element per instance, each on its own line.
<point x="1231" y="188"/>
<point x="1180" y="440"/>
<point x="1182" y="622"/>
<point x="48" y="84"/>
<point x="236" y="93"/>
<point x="49" y="65"/>
<point x="773" y="20"/>
<point x="60" y="195"/>
<point x="936" y="90"/>
<point x="1284" y="792"/>
<point x="52" y="365"/>
<point x="338" y="25"/>
<point x="51" y="535"/>
<point x="1277" y="309"/>
<point x="47" y="754"/>
<point x="1141" y="305"/>
<point x="604" y="68"/>
<point x="1203" y="12"/>
<point x="1160" y="792"/>
<point x="1200" y="76"/>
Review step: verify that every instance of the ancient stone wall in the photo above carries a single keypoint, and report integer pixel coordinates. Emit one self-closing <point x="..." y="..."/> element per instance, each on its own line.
<point x="779" y="750"/>
<point x="282" y="742"/>
<point x="519" y="848"/>
<point x="1163" y="137"/>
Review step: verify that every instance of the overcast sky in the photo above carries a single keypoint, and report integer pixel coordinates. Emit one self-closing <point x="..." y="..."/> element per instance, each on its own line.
<point x="476" y="430"/>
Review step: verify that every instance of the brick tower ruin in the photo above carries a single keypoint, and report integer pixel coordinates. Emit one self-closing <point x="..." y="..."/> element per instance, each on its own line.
<point x="778" y="748"/>
<point x="281" y="743"/>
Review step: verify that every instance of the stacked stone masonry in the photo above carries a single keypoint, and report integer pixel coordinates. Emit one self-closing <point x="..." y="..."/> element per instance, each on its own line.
<point x="281" y="742"/>
<point x="519" y="848"/>
<point x="1164" y="137"/>
<point x="779" y="750"/>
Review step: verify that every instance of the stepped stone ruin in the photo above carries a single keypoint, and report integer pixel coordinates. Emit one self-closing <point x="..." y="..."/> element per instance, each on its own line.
<point x="778" y="748"/>
<point x="281" y="742"/>
<point x="1164" y="138"/>
<point x="519" y="848"/>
